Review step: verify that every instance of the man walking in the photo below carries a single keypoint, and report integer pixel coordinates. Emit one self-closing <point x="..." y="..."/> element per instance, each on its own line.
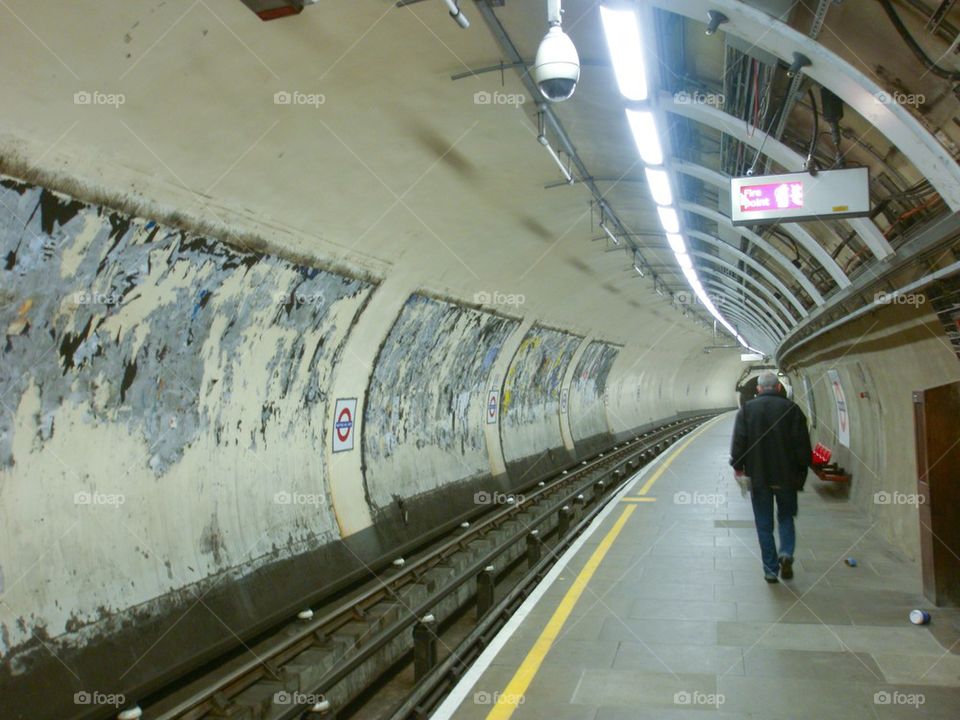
<point x="771" y="445"/>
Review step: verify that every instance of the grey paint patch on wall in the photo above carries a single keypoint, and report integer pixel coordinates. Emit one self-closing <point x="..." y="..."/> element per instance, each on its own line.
<point x="588" y="390"/>
<point x="530" y="403"/>
<point x="182" y="377"/>
<point x="423" y="417"/>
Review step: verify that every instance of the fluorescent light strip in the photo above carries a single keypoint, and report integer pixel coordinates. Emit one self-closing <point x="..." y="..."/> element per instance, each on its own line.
<point x="626" y="51"/>
<point x="645" y="135"/>
<point x="659" y="183"/>
<point x="676" y="242"/>
<point x="669" y="219"/>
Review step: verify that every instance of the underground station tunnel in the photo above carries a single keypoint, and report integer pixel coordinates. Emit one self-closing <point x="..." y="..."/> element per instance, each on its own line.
<point x="479" y="359"/>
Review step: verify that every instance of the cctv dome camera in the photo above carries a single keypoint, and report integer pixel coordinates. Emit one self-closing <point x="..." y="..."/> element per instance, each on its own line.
<point x="557" y="66"/>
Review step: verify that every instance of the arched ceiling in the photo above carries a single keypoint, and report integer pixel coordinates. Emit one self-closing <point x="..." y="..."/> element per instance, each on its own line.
<point x="439" y="183"/>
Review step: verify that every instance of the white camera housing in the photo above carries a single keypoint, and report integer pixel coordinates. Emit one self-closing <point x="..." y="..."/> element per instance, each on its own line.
<point x="556" y="69"/>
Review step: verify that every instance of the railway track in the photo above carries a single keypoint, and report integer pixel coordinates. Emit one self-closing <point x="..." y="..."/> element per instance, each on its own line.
<point x="320" y="664"/>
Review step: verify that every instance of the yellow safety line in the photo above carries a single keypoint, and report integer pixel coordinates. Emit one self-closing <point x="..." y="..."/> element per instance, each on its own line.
<point x="512" y="696"/>
<point x="638" y="499"/>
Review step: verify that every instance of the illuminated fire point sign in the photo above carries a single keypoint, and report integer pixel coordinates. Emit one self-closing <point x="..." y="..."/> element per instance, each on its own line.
<point x="343" y="421"/>
<point x="782" y="196"/>
<point x="800" y="196"/>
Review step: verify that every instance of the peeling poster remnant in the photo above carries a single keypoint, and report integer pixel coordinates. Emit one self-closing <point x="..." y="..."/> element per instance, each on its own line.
<point x="420" y="435"/>
<point x="530" y="406"/>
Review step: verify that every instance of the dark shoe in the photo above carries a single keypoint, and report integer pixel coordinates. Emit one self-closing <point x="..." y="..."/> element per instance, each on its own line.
<point x="786" y="567"/>
<point x="770" y="577"/>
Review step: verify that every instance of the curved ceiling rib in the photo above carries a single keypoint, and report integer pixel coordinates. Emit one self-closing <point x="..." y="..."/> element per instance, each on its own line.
<point x="805" y="239"/>
<point x="752" y="237"/>
<point x="739" y="295"/>
<point x="748" y="326"/>
<point x="761" y="319"/>
<point x="769" y="276"/>
<point x="755" y="137"/>
<point x="788" y="316"/>
<point x="742" y="324"/>
<point x="830" y="70"/>
<point x="742" y="295"/>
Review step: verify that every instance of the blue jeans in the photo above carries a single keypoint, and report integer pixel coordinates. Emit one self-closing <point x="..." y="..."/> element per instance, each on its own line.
<point x="762" y="498"/>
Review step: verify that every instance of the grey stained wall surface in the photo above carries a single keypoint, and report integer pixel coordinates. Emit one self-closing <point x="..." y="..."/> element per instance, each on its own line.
<point x="530" y="402"/>
<point x="423" y="422"/>
<point x="588" y="396"/>
<point x="162" y="399"/>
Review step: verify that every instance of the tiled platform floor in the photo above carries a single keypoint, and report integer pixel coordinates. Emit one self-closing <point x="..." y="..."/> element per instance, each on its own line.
<point x="677" y="621"/>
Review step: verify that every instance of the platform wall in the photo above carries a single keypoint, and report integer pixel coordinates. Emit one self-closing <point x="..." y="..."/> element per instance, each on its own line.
<point x="167" y="402"/>
<point x="880" y="360"/>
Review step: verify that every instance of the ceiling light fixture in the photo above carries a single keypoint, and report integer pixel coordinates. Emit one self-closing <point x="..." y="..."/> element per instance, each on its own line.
<point x="669" y="219"/>
<point x="637" y="263"/>
<point x="659" y="183"/>
<point x="676" y="243"/>
<point x="556" y="158"/>
<point x="645" y="135"/>
<point x="458" y="17"/>
<point x="609" y="234"/>
<point x="626" y="52"/>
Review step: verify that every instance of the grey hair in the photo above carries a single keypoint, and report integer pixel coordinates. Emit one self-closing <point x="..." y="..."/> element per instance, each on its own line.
<point x="767" y="381"/>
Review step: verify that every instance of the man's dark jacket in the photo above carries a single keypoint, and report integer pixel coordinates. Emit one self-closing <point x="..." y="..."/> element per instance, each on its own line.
<point x="771" y="443"/>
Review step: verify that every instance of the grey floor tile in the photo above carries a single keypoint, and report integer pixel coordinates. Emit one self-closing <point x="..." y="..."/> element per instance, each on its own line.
<point x="940" y="669"/>
<point x="661" y="631"/>
<point x="778" y="697"/>
<point x="680" y="659"/>
<point x="766" y="662"/>
<point x="779" y="636"/>
<point x="683" y="610"/>
<point x="620" y="713"/>
<point x="907" y="641"/>
<point x="639" y="689"/>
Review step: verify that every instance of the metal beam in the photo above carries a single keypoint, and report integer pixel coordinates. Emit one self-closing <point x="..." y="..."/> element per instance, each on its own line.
<point x="739" y="300"/>
<point x="742" y="296"/>
<point x="743" y="321"/>
<point x="758" y="301"/>
<point x="769" y="276"/>
<point x="713" y="259"/>
<point x="803" y="238"/>
<point x="754" y="137"/>
<point x="760" y="269"/>
<point x="891" y="119"/>
<point x="745" y="325"/>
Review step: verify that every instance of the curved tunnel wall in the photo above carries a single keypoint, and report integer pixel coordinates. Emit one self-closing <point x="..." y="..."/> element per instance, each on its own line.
<point x="202" y="376"/>
<point x="878" y="361"/>
<point x="530" y="403"/>
<point x="423" y="418"/>
<point x="588" y="397"/>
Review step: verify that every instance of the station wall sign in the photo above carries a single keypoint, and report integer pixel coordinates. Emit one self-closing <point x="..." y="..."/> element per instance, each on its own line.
<point x="843" y="410"/>
<point x="344" y="421"/>
<point x="800" y="196"/>
<point x="493" y="406"/>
